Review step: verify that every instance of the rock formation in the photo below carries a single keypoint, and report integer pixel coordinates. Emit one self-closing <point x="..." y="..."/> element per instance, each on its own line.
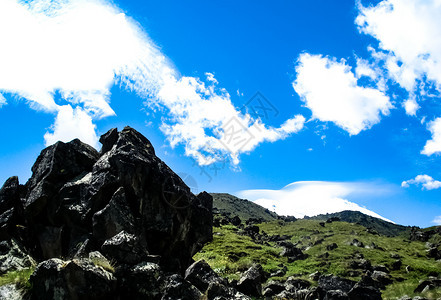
<point x="123" y="202"/>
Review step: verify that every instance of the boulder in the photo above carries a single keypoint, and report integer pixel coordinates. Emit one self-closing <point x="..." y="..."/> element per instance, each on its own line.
<point x="124" y="248"/>
<point x="236" y="221"/>
<point x="331" y="247"/>
<point x="364" y="292"/>
<point x="201" y="275"/>
<point x="336" y="295"/>
<point x="219" y="291"/>
<point x="75" y="279"/>
<point x="382" y="278"/>
<point x="332" y="282"/>
<point x="140" y="281"/>
<point x="250" y="283"/>
<point x="175" y="287"/>
<point x="13" y="257"/>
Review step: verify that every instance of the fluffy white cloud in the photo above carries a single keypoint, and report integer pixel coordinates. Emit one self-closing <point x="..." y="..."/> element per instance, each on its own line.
<point x="408" y="32"/>
<point x="80" y="48"/>
<point x="309" y="198"/>
<point x="426" y="181"/>
<point x="70" y="124"/>
<point x="329" y="89"/>
<point x="411" y="106"/>
<point x="434" y="145"/>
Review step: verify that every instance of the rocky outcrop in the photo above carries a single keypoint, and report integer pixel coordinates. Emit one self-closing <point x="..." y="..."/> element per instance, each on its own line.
<point x="122" y="201"/>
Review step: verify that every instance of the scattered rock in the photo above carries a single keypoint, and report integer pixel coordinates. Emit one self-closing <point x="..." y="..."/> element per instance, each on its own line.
<point x="175" y="287"/>
<point x="250" y="283"/>
<point x="201" y="275"/>
<point x="236" y="221"/>
<point x="331" y="247"/>
<point x="356" y="243"/>
<point x="382" y="278"/>
<point x="76" y="279"/>
<point x="13" y="257"/>
<point x="332" y="282"/>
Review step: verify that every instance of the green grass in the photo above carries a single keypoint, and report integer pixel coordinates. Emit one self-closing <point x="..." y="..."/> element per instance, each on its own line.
<point x="103" y="263"/>
<point x="230" y="254"/>
<point x="19" y="278"/>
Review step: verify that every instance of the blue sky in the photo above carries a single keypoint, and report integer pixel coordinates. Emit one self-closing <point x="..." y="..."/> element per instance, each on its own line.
<point x="351" y="93"/>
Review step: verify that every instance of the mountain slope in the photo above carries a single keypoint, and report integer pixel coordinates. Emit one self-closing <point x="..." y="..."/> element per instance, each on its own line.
<point x="356" y="217"/>
<point x="245" y="209"/>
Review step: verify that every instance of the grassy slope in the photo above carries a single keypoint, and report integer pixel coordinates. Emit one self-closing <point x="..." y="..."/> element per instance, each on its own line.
<point x="381" y="226"/>
<point x="230" y="254"/>
<point x="245" y="209"/>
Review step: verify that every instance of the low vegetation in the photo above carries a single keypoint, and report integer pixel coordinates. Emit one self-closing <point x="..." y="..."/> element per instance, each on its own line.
<point x="230" y="253"/>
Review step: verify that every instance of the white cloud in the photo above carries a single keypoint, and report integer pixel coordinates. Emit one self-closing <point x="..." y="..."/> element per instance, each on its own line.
<point x="329" y="89"/>
<point x="195" y="107"/>
<point x="434" y="145"/>
<point x="2" y="100"/>
<point x="409" y="32"/>
<point x="70" y="124"/>
<point x="81" y="48"/>
<point x="426" y="181"/>
<point x="411" y="106"/>
<point x="437" y="220"/>
<point x="309" y="198"/>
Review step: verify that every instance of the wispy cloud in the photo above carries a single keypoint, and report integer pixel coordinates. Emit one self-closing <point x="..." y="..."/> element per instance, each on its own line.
<point x="426" y="181"/>
<point x="309" y="198"/>
<point x="437" y="220"/>
<point x="330" y="90"/>
<point x="79" y="49"/>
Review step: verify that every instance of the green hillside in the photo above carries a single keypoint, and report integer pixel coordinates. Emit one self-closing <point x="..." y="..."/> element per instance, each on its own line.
<point x="338" y="248"/>
<point x="245" y="209"/>
<point x="378" y="225"/>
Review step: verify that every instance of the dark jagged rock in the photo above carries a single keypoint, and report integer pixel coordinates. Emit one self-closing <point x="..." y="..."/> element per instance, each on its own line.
<point x="331" y="247"/>
<point x="382" y="278"/>
<point x="201" y="275"/>
<point x="292" y="252"/>
<point x="11" y="208"/>
<point x="13" y="257"/>
<point x="123" y="201"/>
<point x="336" y="295"/>
<point x="175" y="287"/>
<point x="78" y="197"/>
<point x="113" y="218"/>
<point x="139" y="281"/>
<point x="236" y="221"/>
<point x="124" y="248"/>
<point x="331" y="282"/>
<point x="275" y="287"/>
<point x="362" y="292"/>
<point x="219" y="291"/>
<point x="250" y="282"/>
<point x="76" y="279"/>
<point x="428" y="284"/>
<point x="296" y="283"/>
